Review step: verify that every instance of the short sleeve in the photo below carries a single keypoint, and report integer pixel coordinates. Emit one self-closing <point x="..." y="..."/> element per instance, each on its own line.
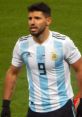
<point x="16" y="58"/>
<point x="72" y="54"/>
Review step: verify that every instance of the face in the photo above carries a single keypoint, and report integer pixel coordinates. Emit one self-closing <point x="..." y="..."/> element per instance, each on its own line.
<point x="38" y="22"/>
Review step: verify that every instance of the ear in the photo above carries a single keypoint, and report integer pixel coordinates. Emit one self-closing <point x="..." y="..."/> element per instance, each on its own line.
<point x="48" y="21"/>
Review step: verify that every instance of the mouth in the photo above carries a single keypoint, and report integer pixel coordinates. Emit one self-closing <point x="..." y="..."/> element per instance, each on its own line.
<point x="33" y="28"/>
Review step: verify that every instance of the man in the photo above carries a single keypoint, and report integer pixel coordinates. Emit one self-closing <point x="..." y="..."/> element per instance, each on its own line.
<point x="47" y="56"/>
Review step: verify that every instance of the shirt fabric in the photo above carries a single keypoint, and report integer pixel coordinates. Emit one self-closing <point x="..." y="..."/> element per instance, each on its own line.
<point x="48" y="69"/>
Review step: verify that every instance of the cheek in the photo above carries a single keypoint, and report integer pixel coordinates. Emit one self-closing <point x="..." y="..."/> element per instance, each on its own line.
<point x="42" y="24"/>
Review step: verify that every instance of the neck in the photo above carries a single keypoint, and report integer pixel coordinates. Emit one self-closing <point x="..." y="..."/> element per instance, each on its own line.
<point x="42" y="37"/>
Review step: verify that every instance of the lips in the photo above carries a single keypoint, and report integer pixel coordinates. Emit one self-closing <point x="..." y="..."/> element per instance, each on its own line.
<point x="33" y="28"/>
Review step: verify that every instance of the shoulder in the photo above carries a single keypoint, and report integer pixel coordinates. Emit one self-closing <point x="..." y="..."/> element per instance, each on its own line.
<point x="24" y="38"/>
<point x="58" y="35"/>
<point x="61" y="37"/>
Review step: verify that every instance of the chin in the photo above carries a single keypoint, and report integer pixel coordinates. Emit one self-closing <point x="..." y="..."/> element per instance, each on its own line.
<point x="34" y="34"/>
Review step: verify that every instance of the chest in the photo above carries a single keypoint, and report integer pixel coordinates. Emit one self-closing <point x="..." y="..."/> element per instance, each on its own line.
<point x="49" y="56"/>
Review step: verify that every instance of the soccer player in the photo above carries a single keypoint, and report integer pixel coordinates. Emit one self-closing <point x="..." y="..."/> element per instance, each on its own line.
<point x="48" y="56"/>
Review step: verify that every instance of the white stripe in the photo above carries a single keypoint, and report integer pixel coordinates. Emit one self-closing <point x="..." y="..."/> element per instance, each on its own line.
<point x="52" y="84"/>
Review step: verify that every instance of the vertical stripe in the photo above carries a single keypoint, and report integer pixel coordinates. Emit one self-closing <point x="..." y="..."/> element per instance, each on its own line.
<point x="60" y="75"/>
<point x="45" y="99"/>
<point x="25" y="54"/>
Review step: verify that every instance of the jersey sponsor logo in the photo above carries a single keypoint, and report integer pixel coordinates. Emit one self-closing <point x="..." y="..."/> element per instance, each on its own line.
<point x="25" y="55"/>
<point x="28" y="53"/>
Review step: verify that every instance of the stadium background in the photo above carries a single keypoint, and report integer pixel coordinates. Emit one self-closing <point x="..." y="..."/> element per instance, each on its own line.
<point x="67" y="19"/>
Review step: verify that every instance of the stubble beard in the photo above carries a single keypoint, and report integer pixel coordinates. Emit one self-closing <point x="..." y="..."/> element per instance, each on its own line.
<point x="37" y="34"/>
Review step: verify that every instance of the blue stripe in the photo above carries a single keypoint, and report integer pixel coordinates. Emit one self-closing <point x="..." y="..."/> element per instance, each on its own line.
<point x="45" y="99"/>
<point x="60" y="75"/>
<point x="24" y="54"/>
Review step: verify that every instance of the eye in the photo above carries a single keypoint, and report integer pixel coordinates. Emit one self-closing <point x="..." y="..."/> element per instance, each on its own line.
<point x="38" y="18"/>
<point x="29" y="18"/>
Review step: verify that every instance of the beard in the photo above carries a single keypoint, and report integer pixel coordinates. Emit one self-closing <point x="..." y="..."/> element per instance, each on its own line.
<point x="38" y="32"/>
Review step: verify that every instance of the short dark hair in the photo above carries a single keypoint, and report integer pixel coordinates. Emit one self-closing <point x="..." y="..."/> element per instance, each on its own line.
<point x="41" y="6"/>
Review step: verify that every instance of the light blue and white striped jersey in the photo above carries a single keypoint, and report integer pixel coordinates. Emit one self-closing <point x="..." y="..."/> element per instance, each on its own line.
<point x="48" y="69"/>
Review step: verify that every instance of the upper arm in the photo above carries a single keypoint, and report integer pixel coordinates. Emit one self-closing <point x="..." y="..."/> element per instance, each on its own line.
<point x="77" y="66"/>
<point x="13" y="71"/>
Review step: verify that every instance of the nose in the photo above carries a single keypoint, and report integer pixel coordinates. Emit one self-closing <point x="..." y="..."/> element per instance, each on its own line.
<point x="32" y="21"/>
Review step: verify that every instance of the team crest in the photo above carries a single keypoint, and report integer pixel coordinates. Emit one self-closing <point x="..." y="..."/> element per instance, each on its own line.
<point x="53" y="56"/>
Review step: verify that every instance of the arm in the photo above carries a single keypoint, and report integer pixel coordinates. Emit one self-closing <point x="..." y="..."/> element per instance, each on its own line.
<point x="9" y="85"/>
<point x="78" y="69"/>
<point x="10" y="82"/>
<point x="77" y="66"/>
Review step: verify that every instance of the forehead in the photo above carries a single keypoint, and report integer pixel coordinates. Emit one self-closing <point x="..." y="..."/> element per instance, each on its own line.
<point x="36" y="13"/>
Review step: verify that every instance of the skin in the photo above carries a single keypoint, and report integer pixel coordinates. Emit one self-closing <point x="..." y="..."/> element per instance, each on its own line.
<point x="77" y="66"/>
<point x="10" y="82"/>
<point x="39" y="28"/>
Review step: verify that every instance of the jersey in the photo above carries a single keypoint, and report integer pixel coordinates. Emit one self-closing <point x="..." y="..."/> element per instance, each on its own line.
<point x="48" y="69"/>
